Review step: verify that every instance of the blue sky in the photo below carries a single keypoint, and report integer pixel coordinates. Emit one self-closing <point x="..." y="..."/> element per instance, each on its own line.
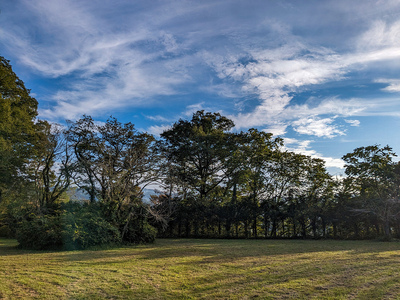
<point x="324" y="75"/>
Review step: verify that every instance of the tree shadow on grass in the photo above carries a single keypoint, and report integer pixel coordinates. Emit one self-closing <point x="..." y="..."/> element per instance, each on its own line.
<point x="224" y="250"/>
<point x="254" y="248"/>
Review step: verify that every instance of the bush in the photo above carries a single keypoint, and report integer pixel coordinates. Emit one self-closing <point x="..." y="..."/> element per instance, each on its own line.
<point x="86" y="229"/>
<point x="140" y="233"/>
<point x="74" y="226"/>
<point x="5" y="231"/>
<point x="40" y="232"/>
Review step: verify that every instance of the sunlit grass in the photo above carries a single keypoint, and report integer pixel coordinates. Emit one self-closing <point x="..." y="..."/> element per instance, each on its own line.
<point x="206" y="269"/>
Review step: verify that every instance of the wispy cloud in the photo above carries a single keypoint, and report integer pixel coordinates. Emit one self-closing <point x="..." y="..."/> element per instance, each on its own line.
<point x="111" y="69"/>
<point x="190" y="109"/>
<point x="317" y="127"/>
<point x="158" y="118"/>
<point x="354" y="123"/>
<point x="304" y="147"/>
<point x="156" y="130"/>
<point x="380" y="35"/>
<point x="257" y="58"/>
<point x="276" y="75"/>
<point x="393" y="85"/>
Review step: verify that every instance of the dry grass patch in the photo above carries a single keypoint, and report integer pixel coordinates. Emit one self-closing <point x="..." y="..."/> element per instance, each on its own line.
<point x="206" y="269"/>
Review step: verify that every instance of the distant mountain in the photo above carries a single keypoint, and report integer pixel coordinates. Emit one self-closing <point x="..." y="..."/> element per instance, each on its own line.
<point x="76" y="194"/>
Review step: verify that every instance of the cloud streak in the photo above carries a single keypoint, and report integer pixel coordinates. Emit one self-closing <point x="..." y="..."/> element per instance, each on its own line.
<point x="275" y="76"/>
<point x="283" y="67"/>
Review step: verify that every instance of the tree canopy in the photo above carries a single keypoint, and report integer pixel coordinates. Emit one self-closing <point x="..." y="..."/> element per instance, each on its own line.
<point x="18" y="132"/>
<point x="213" y="182"/>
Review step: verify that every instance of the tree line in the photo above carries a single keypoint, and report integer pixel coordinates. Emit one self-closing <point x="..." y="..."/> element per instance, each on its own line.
<point x="218" y="183"/>
<point x="212" y="182"/>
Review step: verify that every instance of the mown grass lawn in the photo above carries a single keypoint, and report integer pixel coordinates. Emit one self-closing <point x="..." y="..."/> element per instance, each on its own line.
<point x="206" y="269"/>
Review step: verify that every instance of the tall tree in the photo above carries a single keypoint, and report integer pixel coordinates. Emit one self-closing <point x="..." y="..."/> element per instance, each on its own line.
<point x="115" y="163"/>
<point x="374" y="174"/>
<point x="260" y="156"/>
<point x="18" y="111"/>
<point x="83" y="136"/>
<point x="51" y="168"/>
<point x="197" y="149"/>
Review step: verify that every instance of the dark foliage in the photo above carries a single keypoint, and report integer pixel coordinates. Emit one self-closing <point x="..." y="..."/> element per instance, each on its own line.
<point x="40" y="232"/>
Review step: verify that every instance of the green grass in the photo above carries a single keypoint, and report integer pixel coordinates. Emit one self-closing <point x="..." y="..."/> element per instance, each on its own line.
<point x="206" y="269"/>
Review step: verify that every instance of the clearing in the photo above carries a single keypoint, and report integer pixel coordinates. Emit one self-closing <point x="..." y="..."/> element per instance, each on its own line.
<point x="206" y="269"/>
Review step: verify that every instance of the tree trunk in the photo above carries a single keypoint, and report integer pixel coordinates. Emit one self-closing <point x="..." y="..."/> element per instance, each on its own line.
<point x="323" y="227"/>
<point x="303" y="227"/>
<point x="386" y="228"/>
<point x="294" y="228"/>
<point x="255" y="226"/>
<point x="273" y="230"/>
<point x="228" y="227"/>
<point x="187" y="225"/>
<point x="334" y="230"/>
<point x="314" y="226"/>
<point x="266" y="225"/>
<point x="246" y="229"/>
<point x="196" y="228"/>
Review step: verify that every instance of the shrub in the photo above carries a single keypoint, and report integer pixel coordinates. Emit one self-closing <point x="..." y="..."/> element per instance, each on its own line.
<point x="5" y="231"/>
<point x="75" y="226"/>
<point x="140" y="232"/>
<point x="86" y="229"/>
<point x="40" y="232"/>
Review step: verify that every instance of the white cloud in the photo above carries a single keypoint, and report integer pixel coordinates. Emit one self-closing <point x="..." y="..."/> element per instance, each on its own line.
<point x="354" y="123"/>
<point x="276" y="129"/>
<point x="120" y="57"/>
<point x="393" y="85"/>
<point x="109" y="69"/>
<point x="191" y="109"/>
<point x="275" y="75"/>
<point x="303" y="147"/>
<point x="380" y="35"/>
<point x="157" y="118"/>
<point x="317" y="127"/>
<point x="158" y="129"/>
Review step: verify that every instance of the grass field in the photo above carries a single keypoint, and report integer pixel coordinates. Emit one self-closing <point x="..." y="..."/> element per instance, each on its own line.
<point x="206" y="269"/>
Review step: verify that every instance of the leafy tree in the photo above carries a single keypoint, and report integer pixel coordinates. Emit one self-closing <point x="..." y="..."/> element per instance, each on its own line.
<point x="18" y="111"/>
<point x="375" y="176"/>
<point x="52" y="165"/>
<point x="83" y="136"/>
<point x="282" y="189"/>
<point x="115" y="163"/>
<point x="197" y="150"/>
<point x="317" y="188"/>
<point x="260" y="154"/>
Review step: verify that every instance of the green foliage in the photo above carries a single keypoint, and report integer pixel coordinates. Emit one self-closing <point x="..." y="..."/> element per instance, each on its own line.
<point x="74" y="227"/>
<point x="84" y="228"/>
<point x="140" y="232"/>
<point x="5" y="231"/>
<point x="196" y="149"/>
<point x="40" y="232"/>
<point x="375" y="178"/>
<point x="18" y="111"/>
